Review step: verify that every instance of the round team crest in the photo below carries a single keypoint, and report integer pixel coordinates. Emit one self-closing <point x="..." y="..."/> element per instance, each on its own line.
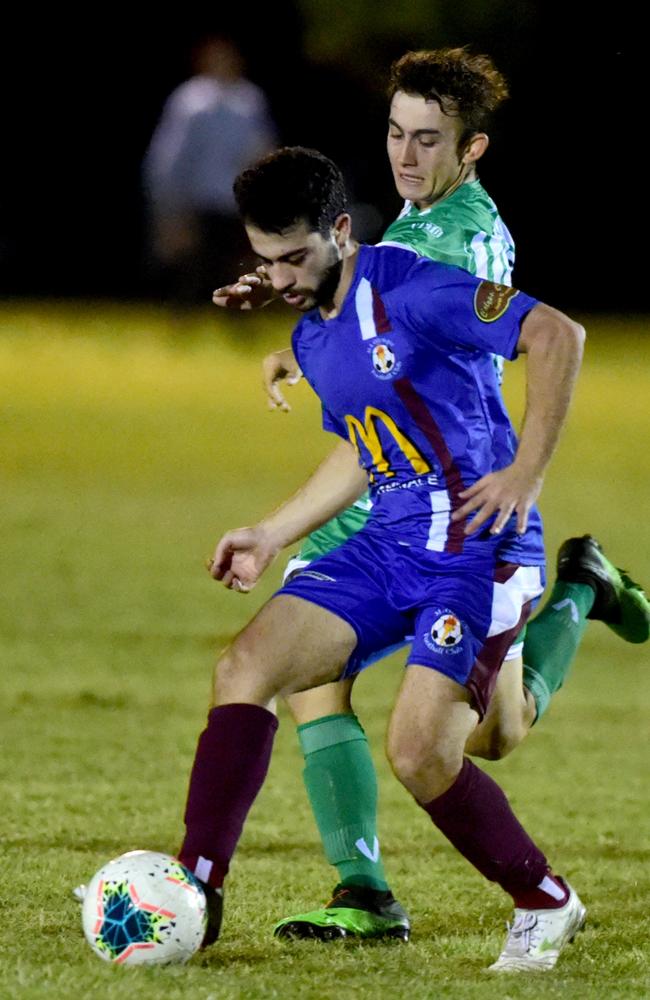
<point x="491" y="301"/>
<point x="446" y="631"/>
<point x="383" y="359"/>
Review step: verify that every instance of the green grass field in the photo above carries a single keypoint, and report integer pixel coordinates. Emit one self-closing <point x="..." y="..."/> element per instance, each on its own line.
<point x="128" y="444"/>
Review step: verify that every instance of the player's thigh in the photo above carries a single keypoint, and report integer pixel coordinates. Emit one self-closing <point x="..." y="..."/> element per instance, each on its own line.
<point x="428" y="729"/>
<point x="508" y="717"/>
<point x="291" y="645"/>
<point x="328" y="699"/>
<point x="332" y="699"/>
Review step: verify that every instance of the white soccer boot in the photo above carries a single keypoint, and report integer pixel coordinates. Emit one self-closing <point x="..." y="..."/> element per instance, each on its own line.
<point x="79" y="893"/>
<point x="536" y="937"/>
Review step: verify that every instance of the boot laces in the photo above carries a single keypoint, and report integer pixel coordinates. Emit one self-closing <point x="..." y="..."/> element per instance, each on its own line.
<point x="338" y="894"/>
<point x="520" y="934"/>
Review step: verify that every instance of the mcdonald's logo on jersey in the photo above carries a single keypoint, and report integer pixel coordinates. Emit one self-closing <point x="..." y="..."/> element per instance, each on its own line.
<point x="365" y="435"/>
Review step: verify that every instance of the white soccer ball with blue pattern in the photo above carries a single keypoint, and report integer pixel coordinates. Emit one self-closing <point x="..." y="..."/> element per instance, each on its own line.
<point x="144" y="908"/>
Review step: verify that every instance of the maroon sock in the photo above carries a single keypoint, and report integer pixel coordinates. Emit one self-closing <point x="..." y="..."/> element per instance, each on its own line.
<point x="540" y="899"/>
<point x="232" y="758"/>
<point x="475" y="816"/>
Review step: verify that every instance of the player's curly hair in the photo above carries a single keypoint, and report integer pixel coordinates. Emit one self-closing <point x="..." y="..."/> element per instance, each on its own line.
<point x="290" y="185"/>
<point x="464" y="85"/>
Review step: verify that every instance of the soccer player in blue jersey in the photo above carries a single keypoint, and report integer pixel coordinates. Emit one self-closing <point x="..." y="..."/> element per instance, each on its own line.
<point x="398" y="349"/>
<point x="439" y="117"/>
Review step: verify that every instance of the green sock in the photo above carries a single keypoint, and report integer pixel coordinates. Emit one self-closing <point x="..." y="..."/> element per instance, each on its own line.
<point x="342" y="787"/>
<point x="552" y="640"/>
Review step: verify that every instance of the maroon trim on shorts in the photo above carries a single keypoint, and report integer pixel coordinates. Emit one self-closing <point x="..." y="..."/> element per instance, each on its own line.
<point x="504" y="571"/>
<point x="379" y="314"/>
<point x="419" y="412"/>
<point x="483" y="675"/>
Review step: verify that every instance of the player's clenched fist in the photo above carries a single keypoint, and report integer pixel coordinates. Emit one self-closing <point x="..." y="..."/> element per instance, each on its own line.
<point x="241" y="557"/>
<point x="250" y="291"/>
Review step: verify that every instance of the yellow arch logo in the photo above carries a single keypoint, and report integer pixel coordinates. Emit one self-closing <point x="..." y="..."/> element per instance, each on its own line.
<point x="366" y="433"/>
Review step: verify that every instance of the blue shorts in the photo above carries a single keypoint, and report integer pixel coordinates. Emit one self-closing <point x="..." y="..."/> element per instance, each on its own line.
<point x="460" y="611"/>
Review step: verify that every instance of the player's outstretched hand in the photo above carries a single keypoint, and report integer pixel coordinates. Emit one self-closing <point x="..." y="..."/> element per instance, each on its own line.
<point x="512" y="490"/>
<point x="250" y="291"/>
<point x="241" y="557"/>
<point x="276" y="367"/>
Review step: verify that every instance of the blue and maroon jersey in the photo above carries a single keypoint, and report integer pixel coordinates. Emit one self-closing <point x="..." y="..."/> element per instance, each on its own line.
<point x="405" y="373"/>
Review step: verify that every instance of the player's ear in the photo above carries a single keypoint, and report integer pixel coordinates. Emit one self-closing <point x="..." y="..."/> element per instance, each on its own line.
<point x="475" y="147"/>
<point x="342" y="229"/>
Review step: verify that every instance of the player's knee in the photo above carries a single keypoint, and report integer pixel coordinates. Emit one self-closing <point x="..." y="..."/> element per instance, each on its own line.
<point x="234" y="674"/>
<point x="426" y="770"/>
<point x="224" y="670"/>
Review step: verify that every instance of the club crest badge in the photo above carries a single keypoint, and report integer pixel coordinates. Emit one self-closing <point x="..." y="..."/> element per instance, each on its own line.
<point x="384" y="363"/>
<point x="445" y="633"/>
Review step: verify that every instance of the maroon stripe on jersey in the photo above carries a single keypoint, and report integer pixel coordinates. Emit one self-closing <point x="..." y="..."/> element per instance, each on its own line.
<point x="379" y="314"/>
<point x="483" y="676"/>
<point x="420" y="414"/>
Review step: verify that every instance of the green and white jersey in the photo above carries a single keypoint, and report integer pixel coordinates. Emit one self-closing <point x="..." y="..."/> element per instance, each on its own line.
<point x="464" y="229"/>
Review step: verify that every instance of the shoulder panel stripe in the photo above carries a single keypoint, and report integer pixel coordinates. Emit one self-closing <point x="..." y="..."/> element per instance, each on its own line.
<point x="371" y="312"/>
<point x="502" y="270"/>
<point x="480" y="255"/>
<point x="363" y="301"/>
<point x="380" y="316"/>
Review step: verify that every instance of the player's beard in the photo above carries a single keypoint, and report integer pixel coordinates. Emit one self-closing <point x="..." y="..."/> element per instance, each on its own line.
<point x="324" y="294"/>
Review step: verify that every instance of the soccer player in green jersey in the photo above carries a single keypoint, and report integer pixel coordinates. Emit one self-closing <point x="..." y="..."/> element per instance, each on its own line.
<point x="440" y="107"/>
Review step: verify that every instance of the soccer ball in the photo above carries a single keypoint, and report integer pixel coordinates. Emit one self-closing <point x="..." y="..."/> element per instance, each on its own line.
<point x="144" y="907"/>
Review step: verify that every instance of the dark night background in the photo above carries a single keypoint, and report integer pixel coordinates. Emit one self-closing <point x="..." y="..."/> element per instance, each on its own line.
<point x="81" y="98"/>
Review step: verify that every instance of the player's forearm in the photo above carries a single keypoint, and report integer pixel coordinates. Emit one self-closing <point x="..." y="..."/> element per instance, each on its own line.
<point x="554" y="345"/>
<point x="336" y="483"/>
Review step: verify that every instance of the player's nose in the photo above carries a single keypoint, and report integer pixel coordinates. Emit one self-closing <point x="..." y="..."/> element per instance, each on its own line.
<point x="408" y="153"/>
<point x="282" y="277"/>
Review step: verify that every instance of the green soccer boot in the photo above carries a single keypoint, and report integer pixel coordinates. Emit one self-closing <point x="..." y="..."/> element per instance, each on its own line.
<point x="353" y="912"/>
<point x="620" y="602"/>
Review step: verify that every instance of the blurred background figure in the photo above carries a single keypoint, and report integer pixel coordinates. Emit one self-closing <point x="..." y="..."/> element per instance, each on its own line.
<point x="211" y="128"/>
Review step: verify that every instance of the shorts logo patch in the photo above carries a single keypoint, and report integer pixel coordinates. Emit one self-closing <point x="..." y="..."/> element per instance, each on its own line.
<point x="491" y="301"/>
<point x="446" y="632"/>
<point x="384" y="363"/>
